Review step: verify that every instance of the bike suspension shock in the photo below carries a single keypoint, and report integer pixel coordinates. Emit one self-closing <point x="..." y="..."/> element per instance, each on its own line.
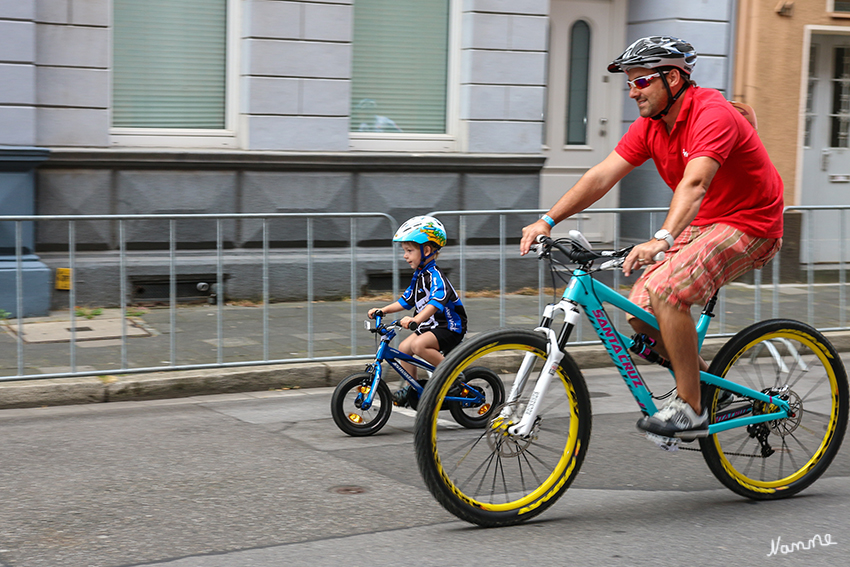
<point x="643" y="348"/>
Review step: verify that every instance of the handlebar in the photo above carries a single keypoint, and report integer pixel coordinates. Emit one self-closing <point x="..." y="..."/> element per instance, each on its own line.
<point x="578" y="253"/>
<point x="381" y="328"/>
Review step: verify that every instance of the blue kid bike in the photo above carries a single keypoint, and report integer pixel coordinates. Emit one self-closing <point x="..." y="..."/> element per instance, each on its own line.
<point x="362" y="403"/>
<point x="776" y="393"/>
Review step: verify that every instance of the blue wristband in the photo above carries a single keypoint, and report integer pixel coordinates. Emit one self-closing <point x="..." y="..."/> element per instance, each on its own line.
<point x="549" y="220"/>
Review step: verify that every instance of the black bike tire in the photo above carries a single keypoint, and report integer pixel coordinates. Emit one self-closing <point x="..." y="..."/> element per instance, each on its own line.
<point x="498" y="398"/>
<point x="442" y="487"/>
<point x="339" y="412"/>
<point x="805" y="475"/>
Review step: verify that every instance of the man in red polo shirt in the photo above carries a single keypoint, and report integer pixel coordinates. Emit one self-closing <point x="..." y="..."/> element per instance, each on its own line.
<point x="725" y="217"/>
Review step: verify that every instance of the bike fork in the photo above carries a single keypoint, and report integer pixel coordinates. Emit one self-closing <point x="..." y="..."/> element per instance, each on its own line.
<point x="553" y="362"/>
<point x="376" y="378"/>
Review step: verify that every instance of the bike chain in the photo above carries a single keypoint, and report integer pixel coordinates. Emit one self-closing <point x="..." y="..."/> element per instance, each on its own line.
<point x="681" y="448"/>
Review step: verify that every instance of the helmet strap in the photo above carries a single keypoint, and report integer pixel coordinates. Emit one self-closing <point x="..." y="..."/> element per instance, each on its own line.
<point x="671" y="98"/>
<point x="422" y="256"/>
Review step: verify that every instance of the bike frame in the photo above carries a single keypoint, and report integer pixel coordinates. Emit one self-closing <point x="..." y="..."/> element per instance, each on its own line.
<point x="589" y="294"/>
<point x="393" y="357"/>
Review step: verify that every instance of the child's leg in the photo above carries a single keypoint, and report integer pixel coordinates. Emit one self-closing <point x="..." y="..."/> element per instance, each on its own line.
<point x="406" y="346"/>
<point x="425" y="346"/>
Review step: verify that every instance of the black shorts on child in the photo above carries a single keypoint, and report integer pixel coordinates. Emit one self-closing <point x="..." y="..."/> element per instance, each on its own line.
<point x="446" y="339"/>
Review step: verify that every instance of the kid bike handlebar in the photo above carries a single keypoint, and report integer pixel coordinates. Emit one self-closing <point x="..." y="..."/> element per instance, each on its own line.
<point x="377" y="315"/>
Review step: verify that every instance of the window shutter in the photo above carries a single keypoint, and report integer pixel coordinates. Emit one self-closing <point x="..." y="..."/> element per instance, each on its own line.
<point x="169" y="64"/>
<point x="400" y="65"/>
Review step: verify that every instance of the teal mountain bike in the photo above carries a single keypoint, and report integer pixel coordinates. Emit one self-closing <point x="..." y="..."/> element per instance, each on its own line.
<point x="776" y="393"/>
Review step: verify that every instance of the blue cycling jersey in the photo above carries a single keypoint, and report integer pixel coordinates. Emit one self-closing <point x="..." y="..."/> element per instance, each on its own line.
<point x="430" y="287"/>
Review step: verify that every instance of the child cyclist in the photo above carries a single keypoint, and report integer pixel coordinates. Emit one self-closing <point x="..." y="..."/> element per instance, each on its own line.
<point x="437" y="309"/>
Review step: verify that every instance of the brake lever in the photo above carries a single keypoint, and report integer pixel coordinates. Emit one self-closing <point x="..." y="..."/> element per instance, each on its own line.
<point x="618" y="262"/>
<point x="538" y="247"/>
<point x="610" y="264"/>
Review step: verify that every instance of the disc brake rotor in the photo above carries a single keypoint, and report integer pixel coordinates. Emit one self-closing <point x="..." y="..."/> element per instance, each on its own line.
<point x="506" y="444"/>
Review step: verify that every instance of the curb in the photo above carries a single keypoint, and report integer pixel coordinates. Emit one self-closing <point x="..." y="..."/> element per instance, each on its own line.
<point x="173" y="384"/>
<point x="178" y="384"/>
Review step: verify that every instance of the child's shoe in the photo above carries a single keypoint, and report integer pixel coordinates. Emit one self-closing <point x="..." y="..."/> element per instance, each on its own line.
<point x="401" y="397"/>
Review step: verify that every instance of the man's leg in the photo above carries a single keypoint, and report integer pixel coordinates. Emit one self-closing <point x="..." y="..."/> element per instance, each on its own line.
<point x="680" y="342"/>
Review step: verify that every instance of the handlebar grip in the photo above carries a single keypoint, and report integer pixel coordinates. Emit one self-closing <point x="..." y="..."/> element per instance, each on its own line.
<point x="377" y="314"/>
<point x="413" y="325"/>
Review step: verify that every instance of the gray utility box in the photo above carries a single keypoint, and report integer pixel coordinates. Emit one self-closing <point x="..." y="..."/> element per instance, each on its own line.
<point x="17" y="197"/>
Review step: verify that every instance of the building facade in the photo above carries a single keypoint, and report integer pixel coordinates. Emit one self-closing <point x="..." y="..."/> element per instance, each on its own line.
<point x="399" y="106"/>
<point x="793" y="67"/>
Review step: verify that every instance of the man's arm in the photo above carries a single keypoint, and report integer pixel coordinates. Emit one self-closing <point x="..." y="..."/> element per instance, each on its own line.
<point x="683" y="209"/>
<point x="592" y="186"/>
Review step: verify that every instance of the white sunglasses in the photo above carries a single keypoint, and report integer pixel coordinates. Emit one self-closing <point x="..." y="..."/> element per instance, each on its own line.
<point x="642" y="82"/>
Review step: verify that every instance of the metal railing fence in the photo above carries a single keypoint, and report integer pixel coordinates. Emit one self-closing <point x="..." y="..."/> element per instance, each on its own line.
<point x="172" y="219"/>
<point x="761" y="298"/>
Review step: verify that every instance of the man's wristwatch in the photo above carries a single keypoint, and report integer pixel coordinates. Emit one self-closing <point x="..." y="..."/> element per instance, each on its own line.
<point x="666" y="237"/>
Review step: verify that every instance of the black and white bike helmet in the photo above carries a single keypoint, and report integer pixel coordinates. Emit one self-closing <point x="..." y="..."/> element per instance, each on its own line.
<point x="656" y="51"/>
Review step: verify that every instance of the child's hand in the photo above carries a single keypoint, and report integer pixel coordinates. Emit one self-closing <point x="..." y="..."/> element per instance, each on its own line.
<point x="371" y="313"/>
<point x="406" y="321"/>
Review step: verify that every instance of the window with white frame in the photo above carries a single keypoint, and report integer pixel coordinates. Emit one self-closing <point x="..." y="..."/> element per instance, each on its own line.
<point x="169" y="70"/>
<point x="839" y="6"/>
<point x="401" y="68"/>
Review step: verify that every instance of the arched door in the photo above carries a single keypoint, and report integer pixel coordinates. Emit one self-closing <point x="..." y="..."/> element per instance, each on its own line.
<point x="584" y="101"/>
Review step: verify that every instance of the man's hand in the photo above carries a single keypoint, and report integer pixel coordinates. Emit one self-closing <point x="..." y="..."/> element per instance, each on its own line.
<point x="643" y="255"/>
<point x="530" y="234"/>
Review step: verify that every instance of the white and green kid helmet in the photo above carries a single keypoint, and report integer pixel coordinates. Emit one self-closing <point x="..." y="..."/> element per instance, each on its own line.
<point x="422" y="230"/>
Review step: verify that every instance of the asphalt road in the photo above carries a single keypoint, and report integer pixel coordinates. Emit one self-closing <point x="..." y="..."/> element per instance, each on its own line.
<point x="267" y="479"/>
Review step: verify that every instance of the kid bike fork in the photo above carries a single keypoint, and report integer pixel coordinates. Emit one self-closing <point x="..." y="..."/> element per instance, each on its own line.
<point x="553" y="361"/>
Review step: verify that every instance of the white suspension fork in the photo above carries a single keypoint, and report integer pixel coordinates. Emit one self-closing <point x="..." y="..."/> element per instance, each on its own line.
<point x="553" y="361"/>
<point x="524" y="370"/>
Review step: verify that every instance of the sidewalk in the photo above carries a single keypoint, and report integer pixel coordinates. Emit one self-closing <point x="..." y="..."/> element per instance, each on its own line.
<point x="196" y="328"/>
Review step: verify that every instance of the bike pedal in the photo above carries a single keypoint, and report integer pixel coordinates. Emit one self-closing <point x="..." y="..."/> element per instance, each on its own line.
<point x="664" y="443"/>
<point x="689" y="436"/>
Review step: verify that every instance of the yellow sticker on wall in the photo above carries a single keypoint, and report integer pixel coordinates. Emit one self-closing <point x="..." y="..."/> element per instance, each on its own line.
<point x="63" y="278"/>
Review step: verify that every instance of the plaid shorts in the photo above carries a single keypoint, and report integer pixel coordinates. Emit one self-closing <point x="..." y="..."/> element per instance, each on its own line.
<point x="702" y="259"/>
